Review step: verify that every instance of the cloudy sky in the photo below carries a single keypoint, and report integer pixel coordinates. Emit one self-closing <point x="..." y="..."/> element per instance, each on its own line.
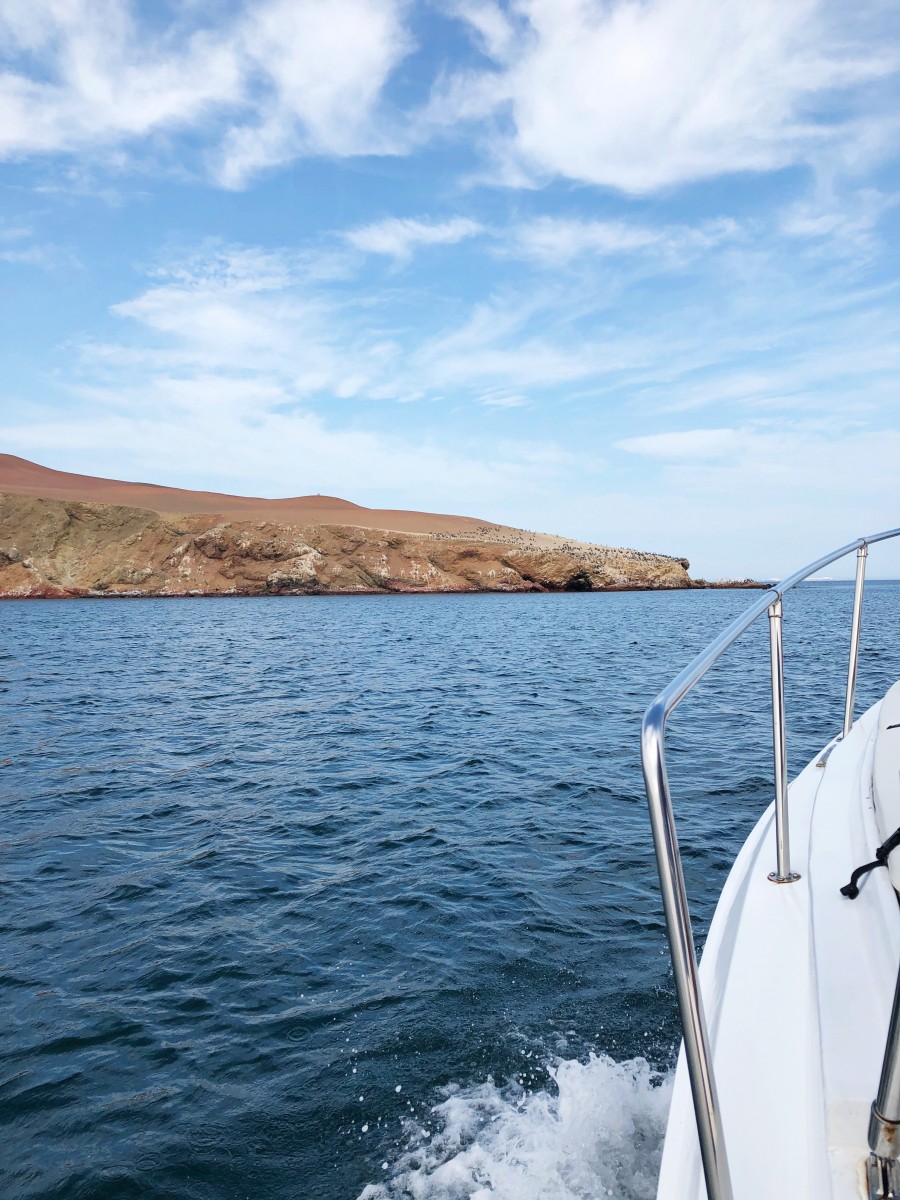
<point x="622" y="269"/>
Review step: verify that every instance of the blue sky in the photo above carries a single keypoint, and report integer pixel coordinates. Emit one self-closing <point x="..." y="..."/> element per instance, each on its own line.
<point x="622" y="270"/>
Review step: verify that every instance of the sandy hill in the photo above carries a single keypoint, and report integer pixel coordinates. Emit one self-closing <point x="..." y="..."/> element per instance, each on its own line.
<point x="20" y="477"/>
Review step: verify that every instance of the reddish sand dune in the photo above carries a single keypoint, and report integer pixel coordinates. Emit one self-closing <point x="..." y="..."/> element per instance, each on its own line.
<point x="24" y="478"/>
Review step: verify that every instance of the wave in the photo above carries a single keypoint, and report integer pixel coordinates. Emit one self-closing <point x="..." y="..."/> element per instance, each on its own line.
<point x="599" y="1134"/>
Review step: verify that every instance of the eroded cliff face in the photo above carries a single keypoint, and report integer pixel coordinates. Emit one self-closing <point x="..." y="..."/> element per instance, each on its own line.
<point x="65" y="548"/>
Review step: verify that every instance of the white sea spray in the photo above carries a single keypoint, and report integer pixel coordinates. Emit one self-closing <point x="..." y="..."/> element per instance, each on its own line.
<point x="599" y="1134"/>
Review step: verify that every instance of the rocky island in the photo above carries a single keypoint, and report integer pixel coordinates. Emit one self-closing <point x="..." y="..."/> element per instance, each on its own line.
<point x="65" y="535"/>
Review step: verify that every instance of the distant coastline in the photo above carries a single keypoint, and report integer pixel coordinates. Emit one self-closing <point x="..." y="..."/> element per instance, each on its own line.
<point x="697" y="586"/>
<point x="72" y="536"/>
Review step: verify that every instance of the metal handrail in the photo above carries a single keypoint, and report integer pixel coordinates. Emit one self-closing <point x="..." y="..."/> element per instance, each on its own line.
<point x="668" y="856"/>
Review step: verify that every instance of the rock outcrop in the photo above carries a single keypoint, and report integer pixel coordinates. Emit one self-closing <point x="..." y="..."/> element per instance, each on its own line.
<point x="57" y="548"/>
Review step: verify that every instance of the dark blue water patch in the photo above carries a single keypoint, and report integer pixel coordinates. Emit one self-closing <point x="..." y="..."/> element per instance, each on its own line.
<point x="261" y="858"/>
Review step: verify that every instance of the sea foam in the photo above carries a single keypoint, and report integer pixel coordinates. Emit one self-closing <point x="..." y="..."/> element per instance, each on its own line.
<point x="599" y="1134"/>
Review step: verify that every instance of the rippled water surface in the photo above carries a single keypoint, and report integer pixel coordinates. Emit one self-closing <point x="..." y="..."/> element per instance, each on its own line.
<point x="328" y="898"/>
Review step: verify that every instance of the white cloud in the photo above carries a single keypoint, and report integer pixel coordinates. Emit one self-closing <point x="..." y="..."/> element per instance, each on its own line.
<point x="635" y="96"/>
<point x="807" y="462"/>
<point x="15" y="233"/>
<point x="398" y="237"/>
<point x="780" y="493"/>
<point x="498" y="348"/>
<point x="690" y="444"/>
<point x="642" y="96"/>
<point x="494" y="31"/>
<point x="232" y="314"/>
<point x="325" y="66"/>
<point x="846" y="224"/>
<point x="47" y="256"/>
<point x="282" y="77"/>
<point x="503" y="400"/>
<point x="19" y="246"/>
<point x="237" y="311"/>
<point x="753" y="342"/>
<point x="555" y="240"/>
<point x="193" y="435"/>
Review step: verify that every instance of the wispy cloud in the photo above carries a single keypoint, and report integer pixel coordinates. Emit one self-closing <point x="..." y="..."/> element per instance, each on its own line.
<point x="503" y="400"/>
<point x="642" y="96"/>
<point x="322" y="69"/>
<point x="284" y="315"/>
<point x="636" y="97"/>
<point x="263" y="451"/>
<point x="399" y="237"/>
<point x="279" y="79"/>
<point x="689" y="445"/>
<point x="844" y="224"/>
<point x="802" y="463"/>
<point x="233" y="350"/>
<point x="556" y="240"/>
<point x="783" y="493"/>
<point x="19" y="246"/>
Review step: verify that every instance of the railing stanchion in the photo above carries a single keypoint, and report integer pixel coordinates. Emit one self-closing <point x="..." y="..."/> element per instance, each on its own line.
<point x="782" y="872"/>
<point x="861" y="555"/>
<point x="697" y="1047"/>
<point x="884" y="1117"/>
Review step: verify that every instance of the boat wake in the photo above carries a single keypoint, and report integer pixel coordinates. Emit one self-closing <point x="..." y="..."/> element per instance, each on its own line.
<point x="599" y="1134"/>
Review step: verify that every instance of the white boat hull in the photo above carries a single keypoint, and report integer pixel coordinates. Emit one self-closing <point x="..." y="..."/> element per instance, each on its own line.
<point x="797" y="983"/>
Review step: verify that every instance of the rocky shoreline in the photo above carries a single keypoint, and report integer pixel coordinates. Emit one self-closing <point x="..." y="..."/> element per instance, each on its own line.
<point x="56" y="549"/>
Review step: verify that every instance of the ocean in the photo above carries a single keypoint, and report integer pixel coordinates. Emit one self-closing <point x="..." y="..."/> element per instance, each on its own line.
<point x="354" y="898"/>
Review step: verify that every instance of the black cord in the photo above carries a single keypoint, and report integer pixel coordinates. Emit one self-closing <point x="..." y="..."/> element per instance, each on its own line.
<point x="851" y="889"/>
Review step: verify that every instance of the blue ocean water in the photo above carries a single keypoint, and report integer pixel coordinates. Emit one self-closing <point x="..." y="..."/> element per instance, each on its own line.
<point x="321" y="898"/>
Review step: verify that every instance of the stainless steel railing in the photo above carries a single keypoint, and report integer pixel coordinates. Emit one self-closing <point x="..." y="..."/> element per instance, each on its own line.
<point x="668" y="856"/>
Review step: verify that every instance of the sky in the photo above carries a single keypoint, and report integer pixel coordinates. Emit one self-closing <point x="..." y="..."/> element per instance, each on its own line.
<point x="625" y="270"/>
